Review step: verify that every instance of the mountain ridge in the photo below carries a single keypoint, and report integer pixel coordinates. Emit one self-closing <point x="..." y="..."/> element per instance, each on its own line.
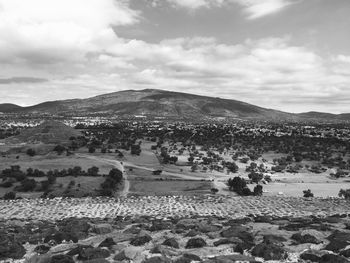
<point x="154" y="102"/>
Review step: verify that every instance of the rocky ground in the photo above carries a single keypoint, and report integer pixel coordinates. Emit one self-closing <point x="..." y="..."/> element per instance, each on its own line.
<point x="193" y="235"/>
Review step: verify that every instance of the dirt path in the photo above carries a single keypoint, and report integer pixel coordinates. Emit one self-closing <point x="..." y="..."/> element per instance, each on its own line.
<point x="118" y="165"/>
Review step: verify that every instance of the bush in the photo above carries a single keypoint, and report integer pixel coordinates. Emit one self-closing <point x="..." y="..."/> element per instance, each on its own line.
<point x="10" y="196"/>
<point x="92" y="149"/>
<point x="308" y="193"/>
<point x="258" y="190"/>
<point x="345" y="193"/>
<point x="31" y="152"/>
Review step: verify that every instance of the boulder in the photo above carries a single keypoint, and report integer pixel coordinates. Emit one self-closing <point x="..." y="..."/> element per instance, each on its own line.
<point x="307" y="238"/>
<point x="269" y="251"/>
<point x="240" y="232"/>
<point x="171" y="242"/>
<point x="10" y="248"/>
<point x="234" y="258"/>
<point x="97" y="260"/>
<point x="140" y="240"/>
<point x="338" y="240"/>
<point x="77" y="250"/>
<point x="196" y="243"/>
<point x="58" y="237"/>
<point x="345" y="253"/>
<point x="41" y="249"/>
<point x="157" y="260"/>
<point x="332" y="258"/>
<point x="312" y="255"/>
<point x="129" y="253"/>
<point x="61" y="259"/>
<point x="160" y="225"/>
<point x="102" y="229"/>
<point x="108" y="242"/>
<point x="93" y="253"/>
<point x="77" y="227"/>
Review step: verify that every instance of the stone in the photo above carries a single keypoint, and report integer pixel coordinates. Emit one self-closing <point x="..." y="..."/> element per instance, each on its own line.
<point x="41" y="249"/>
<point x="271" y="239"/>
<point x="234" y="258"/>
<point x="241" y="233"/>
<point x="61" y="259"/>
<point x="171" y="242"/>
<point x="332" y="258"/>
<point x="93" y="253"/>
<point x="140" y="240"/>
<point x="196" y="243"/>
<point x="192" y="233"/>
<point x="97" y="260"/>
<point x="206" y="228"/>
<point x="160" y="225"/>
<point x="102" y="229"/>
<point x="77" y="227"/>
<point x="58" y="237"/>
<point x="312" y="255"/>
<point x="108" y="242"/>
<point x="307" y="238"/>
<point x="269" y="251"/>
<point x="77" y="250"/>
<point x="10" y="248"/>
<point x="338" y="240"/>
<point x="345" y="253"/>
<point x="157" y="260"/>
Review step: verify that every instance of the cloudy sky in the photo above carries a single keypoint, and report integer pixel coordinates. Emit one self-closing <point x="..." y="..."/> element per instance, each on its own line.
<point x="292" y="55"/>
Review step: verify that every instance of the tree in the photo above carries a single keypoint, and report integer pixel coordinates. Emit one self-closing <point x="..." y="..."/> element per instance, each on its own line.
<point x="10" y="196"/>
<point x="258" y="190"/>
<point x="344" y="193"/>
<point x="308" y="193"/>
<point x="59" y="149"/>
<point x="93" y="171"/>
<point x="92" y="149"/>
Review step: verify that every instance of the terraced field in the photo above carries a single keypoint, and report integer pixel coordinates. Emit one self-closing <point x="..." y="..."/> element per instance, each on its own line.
<point x="170" y="206"/>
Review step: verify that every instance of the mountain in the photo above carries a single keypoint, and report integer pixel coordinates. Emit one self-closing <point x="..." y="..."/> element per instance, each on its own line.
<point x="314" y="115"/>
<point x="8" y="107"/>
<point x="160" y="103"/>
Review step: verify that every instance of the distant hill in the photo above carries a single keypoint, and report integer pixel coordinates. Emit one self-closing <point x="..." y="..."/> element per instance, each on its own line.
<point x="8" y="107"/>
<point x="49" y="132"/>
<point x="325" y="116"/>
<point x="167" y="104"/>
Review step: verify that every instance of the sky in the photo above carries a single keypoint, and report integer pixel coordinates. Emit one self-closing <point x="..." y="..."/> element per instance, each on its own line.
<point x="290" y="55"/>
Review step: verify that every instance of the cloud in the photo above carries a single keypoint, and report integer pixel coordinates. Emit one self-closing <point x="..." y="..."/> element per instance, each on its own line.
<point x="41" y="31"/>
<point x="22" y="80"/>
<point x="252" y="8"/>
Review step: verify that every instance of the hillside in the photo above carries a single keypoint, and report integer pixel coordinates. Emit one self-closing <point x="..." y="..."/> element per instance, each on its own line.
<point x="155" y="103"/>
<point x="168" y="104"/>
<point x="49" y="132"/>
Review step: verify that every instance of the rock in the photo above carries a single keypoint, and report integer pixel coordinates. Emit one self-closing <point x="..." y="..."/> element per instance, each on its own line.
<point x="157" y="260"/>
<point x="97" y="260"/>
<point x="345" y="253"/>
<point x="77" y="250"/>
<point x="160" y="225"/>
<point x="93" y="253"/>
<point x="222" y="241"/>
<point x="63" y="248"/>
<point x="234" y="258"/>
<point x="39" y="259"/>
<point x="307" y="238"/>
<point x="192" y="233"/>
<point x="102" y="229"/>
<point x="332" y="258"/>
<point x="294" y="226"/>
<point x="312" y="255"/>
<point x="195" y="243"/>
<point x="58" y="237"/>
<point x="263" y="219"/>
<point x="41" y="249"/>
<point x="10" y="248"/>
<point x="338" y="240"/>
<point x="274" y="239"/>
<point x="77" y="227"/>
<point x="108" y="242"/>
<point x="140" y="240"/>
<point x="192" y="257"/>
<point x="129" y="253"/>
<point x="171" y="242"/>
<point x="61" y="259"/>
<point x="206" y="228"/>
<point x="238" y="221"/>
<point x="269" y="251"/>
<point x="241" y="233"/>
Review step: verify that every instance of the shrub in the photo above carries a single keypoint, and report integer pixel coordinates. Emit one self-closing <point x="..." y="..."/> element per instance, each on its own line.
<point x="308" y="193"/>
<point x="258" y="190"/>
<point x="345" y="193"/>
<point x="31" y="152"/>
<point x="10" y="196"/>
